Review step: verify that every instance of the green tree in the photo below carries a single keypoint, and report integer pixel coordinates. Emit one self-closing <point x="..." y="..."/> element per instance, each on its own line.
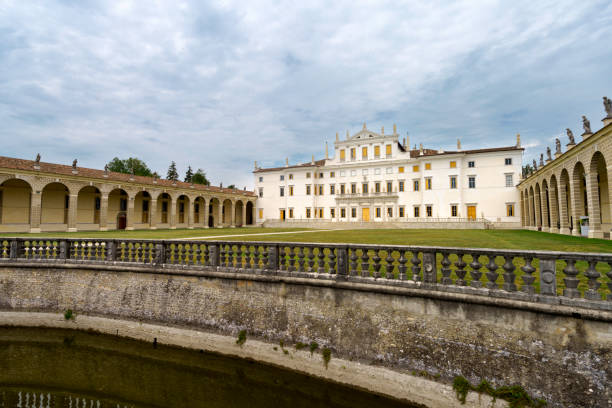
<point x="129" y="166"/>
<point x="172" y="173"/>
<point x="527" y="169"/>
<point x="188" y="175"/>
<point x="199" y="177"/>
<point x="232" y="186"/>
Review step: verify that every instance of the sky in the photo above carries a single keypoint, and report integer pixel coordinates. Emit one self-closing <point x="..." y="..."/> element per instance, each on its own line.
<point x="219" y="85"/>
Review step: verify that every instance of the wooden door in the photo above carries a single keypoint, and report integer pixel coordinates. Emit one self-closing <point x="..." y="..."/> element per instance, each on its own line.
<point x="471" y="212"/>
<point x="282" y="215"/>
<point x="365" y="214"/>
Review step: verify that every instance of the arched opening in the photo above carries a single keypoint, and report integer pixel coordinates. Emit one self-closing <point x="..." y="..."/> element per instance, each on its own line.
<point x="579" y="199"/>
<point x="545" y="205"/>
<point x="553" y="193"/>
<point x="55" y="202"/>
<point x="213" y="212"/>
<point x="227" y="213"/>
<point x="238" y="214"/>
<point x="532" y="212"/>
<point x="182" y="208"/>
<point x="198" y="212"/>
<point x="15" y="202"/>
<point x="249" y="213"/>
<point x="565" y="203"/>
<point x="600" y="194"/>
<point x="163" y="209"/>
<point x="142" y="210"/>
<point x="88" y="208"/>
<point x="538" y="206"/>
<point x="117" y="209"/>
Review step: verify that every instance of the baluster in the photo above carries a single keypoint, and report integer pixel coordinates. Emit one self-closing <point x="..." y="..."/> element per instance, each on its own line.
<point x="139" y="252"/>
<point x="321" y="261"/>
<point x="402" y="266"/>
<point x="264" y="258"/>
<point x="377" y="264"/>
<point x="416" y="266"/>
<point x="593" y="283"/>
<point x="446" y="270"/>
<point x="87" y="250"/>
<point x="311" y="256"/>
<point x="183" y="250"/>
<point x="353" y="264"/>
<point x="301" y="259"/>
<point x="205" y="254"/>
<point x="222" y="255"/>
<point x="74" y="249"/>
<point x="282" y="256"/>
<point x="238" y="256"/>
<point x="251" y="255"/>
<point x="332" y="261"/>
<point x="492" y="274"/>
<point x="528" y="278"/>
<point x="509" y="275"/>
<point x="571" y="282"/>
<point x="365" y="263"/>
<point x="609" y="275"/>
<point x="475" y="272"/>
<point x="389" y="266"/>
<point x="460" y="271"/>
<point x="197" y="254"/>
<point x="291" y="259"/>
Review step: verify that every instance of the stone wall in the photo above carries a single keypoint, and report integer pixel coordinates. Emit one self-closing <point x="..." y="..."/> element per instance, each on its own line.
<point x="562" y="358"/>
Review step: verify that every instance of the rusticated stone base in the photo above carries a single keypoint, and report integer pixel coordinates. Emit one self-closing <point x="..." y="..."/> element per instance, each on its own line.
<point x="565" y="360"/>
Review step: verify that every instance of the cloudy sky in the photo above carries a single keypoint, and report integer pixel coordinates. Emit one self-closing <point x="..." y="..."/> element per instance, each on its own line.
<point x="218" y="85"/>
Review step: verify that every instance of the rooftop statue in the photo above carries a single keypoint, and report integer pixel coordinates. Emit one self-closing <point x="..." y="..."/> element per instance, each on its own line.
<point x="541" y="159"/>
<point x="571" y="136"/>
<point x="38" y="158"/>
<point x="74" y="163"/>
<point x="607" y="106"/>
<point x="557" y="146"/>
<point x="535" y="165"/>
<point x="548" y="154"/>
<point x="586" y="125"/>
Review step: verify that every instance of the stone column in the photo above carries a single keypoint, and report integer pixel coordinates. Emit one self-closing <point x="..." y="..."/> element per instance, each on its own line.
<point x="104" y="212"/>
<point x="553" y="200"/>
<point x="538" y="210"/>
<point x="593" y="203"/>
<point x="35" y="211"/>
<point x="576" y="206"/>
<point x="204" y="211"/>
<point x="72" y="212"/>
<point x="563" y="214"/>
<point x="545" y="206"/>
<point x="233" y="215"/>
<point x="254" y="211"/>
<point x="153" y="213"/>
<point x="527" y="211"/>
<point x="219" y="223"/>
<point x="130" y="213"/>
<point x="244" y="213"/>
<point x="532" y="213"/>
<point x="172" y="205"/>
<point x="190" y="213"/>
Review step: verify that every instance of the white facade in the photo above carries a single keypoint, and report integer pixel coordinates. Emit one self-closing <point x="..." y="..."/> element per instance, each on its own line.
<point x="372" y="177"/>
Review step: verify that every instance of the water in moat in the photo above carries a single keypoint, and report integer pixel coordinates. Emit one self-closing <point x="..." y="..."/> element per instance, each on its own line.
<point x="61" y="368"/>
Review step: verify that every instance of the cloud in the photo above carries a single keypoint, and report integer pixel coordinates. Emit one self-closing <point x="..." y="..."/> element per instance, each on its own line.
<point x="219" y="85"/>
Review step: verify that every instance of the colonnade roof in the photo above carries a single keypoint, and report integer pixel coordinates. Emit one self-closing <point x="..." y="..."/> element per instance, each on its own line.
<point x="103" y="176"/>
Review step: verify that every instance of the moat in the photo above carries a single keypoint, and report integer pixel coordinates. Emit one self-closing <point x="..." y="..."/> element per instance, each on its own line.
<point x="64" y="368"/>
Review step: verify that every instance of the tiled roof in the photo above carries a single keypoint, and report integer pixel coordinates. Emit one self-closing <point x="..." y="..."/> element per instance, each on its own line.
<point x="309" y="164"/>
<point x="53" y="168"/>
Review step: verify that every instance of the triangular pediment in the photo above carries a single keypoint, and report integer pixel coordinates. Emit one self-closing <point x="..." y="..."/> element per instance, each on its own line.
<point x="365" y="134"/>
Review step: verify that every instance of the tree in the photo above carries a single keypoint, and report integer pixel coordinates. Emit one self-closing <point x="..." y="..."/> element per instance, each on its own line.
<point x="232" y="186"/>
<point x="527" y="169"/>
<point x="199" y="177"/>
<point x="129" y="166"/>
<point x="188" y="175"/>
<point x="172" y="173"/>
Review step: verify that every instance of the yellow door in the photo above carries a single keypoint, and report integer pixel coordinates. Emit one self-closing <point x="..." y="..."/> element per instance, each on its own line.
<point x="282" y="215"/>
<point x="471" y="210"/>
<point x="365" y="214"/>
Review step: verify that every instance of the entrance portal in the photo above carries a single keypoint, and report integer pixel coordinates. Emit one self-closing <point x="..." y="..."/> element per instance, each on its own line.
<point x="365" y="214"/>
<point x="121" y="221"/>
<point x="471" y="212"/>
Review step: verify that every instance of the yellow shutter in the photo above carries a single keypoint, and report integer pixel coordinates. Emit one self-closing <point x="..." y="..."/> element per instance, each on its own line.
<point x="353" y="153"/>
<point x="364" y="152"/>
<point x="400" y="169"/>
<point x="377" y="151"/>
<point x="415" y="168"/>
<point x="427" y="166"/>
<point x="342" y="154"/>
<point x="388" y="148"/>
<point x="260" y="213"/>
<point x="453" y="164"/>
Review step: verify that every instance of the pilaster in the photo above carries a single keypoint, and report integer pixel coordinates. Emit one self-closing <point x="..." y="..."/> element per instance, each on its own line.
<point x="72" y="212"/>
<point x="35" y="211"/>
<point x="104" y="212"/>
<point x="130" y="214"/>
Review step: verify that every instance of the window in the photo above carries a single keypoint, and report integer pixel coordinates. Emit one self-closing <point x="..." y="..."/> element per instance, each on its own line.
<point x="428" y="183"/>
<point x="453" y="210"/>
<point x="377" y="212"/>
<point x="388" y="150"/>
<point x="342" y="189"/>
<point x="260" y="192"/>
<point x="282" y="191"/>
<point x="353" y="155"/>
<point x="510" y="210"/>
<point x="364" y="153"/>
<point x="291" y="213"/>
<point x="342" y="155"/>
<point x="308" y="175"/>
<point x="261" y="213"/>
<point x="472" y="182"/>
<point x="308" y="213"/>
<point x="320" y="175"/>
<point x="332" y="174"/>
<point x="291" y="177"/>
<point x="364" y="188"/>
<point x="453" y="164"/>
<point x="429" y="210"/>
<point x="364" y="172"/>
<point x="415" y="168"/>
<point x="320" y="213"/>
<point x="389" y="186"/>
<point x="377" y="186"/>
<point x="453" y="181"/>
<point x="416" y="212"/>
<point x="471" y="164"/>
<point x="332" y="212"/>
<point x="343" y="213"/>
<point x="122" y="204"/>
<point x="353" y="172"/>
<point x="400" y="169"/>
<point x="321" y="189"/>
<point x="97" y="203"/>
<point x="260" y="179"/>
<point x="390" y="212"/>
<point x="291" y="190"/>
<point x="353" y="188"/>
<point x="282" y="177"/>
<point x="376" y="171"/>
<point x="389" y="170"/>
<point x="401" y="187"/>
<point x="376" y="152"/>
<point x="308" y="190"/>
<point x="332" y="189"/>
<point x="416" y="185"/>
<point x="342" y="173"/>
<point x="401" y="212"/>
<point x="508" y="161"/>
<point x="509" y="181"/>
<point x="427" y="166"/>
<point x="353" y="212"/>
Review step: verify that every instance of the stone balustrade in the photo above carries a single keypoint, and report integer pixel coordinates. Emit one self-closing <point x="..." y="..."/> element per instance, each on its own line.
<point x="572" y="279"/>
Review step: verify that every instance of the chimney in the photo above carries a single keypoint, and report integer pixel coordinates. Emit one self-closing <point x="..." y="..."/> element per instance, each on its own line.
<point x="337" y="137"/>
<point x="286" y="162"/>
<point x="255" y="165"/>
<point x="382" y="130"/>
<point x="420" y="149"/>
<point x="407" y="141"/>
<point x="404" y="143"/>
<point x="518" y="140"/>
<point x="326" y="151"/>
<point x="347" y="135"/>
<point x="459" y="144"/>
<point x="364" y="126"/>
<point x="312" y="161"/>
<point x="394" y="129"/>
